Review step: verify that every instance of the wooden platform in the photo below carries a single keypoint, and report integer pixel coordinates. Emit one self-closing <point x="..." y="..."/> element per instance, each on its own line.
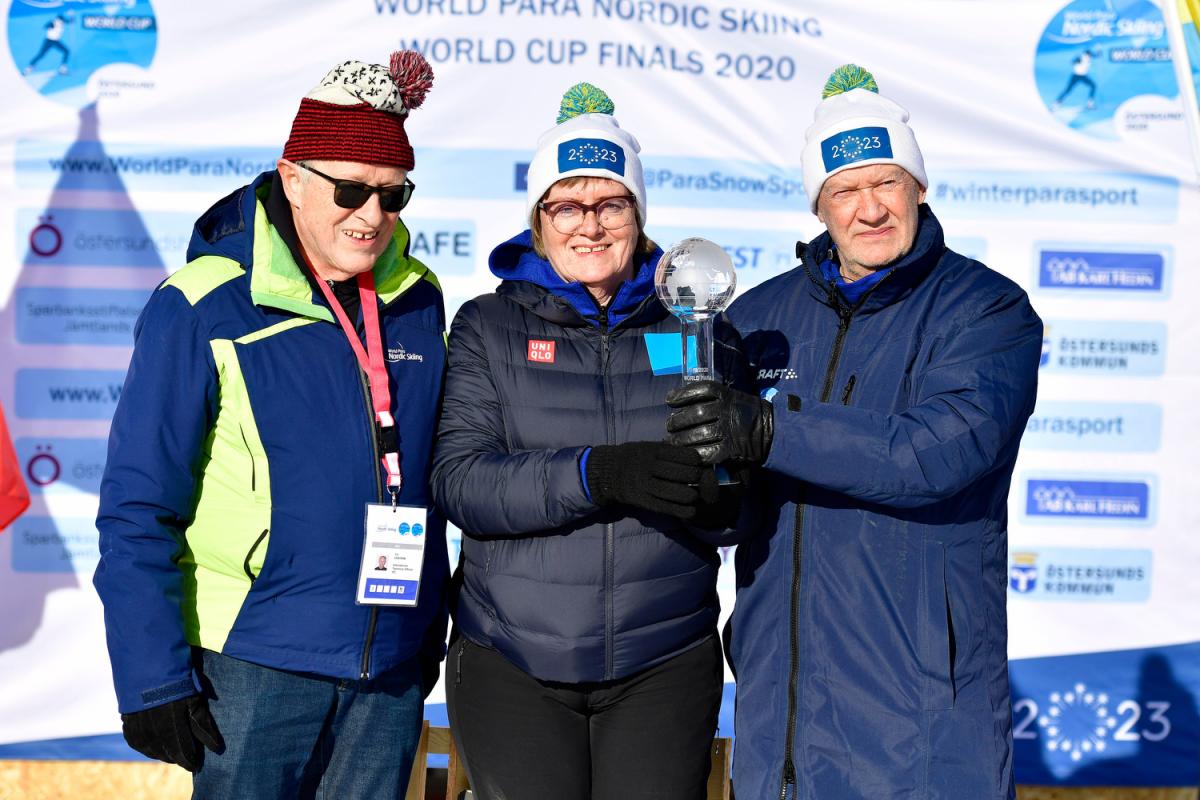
<point x="109" y="780"/>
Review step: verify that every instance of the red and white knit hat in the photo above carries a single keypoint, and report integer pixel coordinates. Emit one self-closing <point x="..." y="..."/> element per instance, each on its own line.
<point x="357" y="112"/>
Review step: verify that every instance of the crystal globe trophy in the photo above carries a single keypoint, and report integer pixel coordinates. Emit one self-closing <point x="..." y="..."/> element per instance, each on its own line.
<point x="695" y="280"/>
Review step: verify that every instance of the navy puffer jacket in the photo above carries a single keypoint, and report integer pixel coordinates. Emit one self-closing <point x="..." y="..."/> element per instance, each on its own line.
<point x="565" y="590"/>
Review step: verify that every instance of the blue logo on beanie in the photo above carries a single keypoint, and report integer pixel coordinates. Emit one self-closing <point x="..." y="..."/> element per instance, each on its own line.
<point x="591" y="154"/>
<point x="859" y="144"/>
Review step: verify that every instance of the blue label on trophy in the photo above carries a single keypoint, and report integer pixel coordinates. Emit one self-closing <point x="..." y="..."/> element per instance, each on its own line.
<point x="591" y="154"/>
<point x="859" y="144"/>
<point x="666" y="352"/>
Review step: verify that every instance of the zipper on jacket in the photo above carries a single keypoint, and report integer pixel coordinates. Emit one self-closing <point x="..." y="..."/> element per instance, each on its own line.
<point x="847" y="391"/>
<point x="250" y="554"/>
<point x="253" y="472"/>
<point x="789" y="767"/>
<point x="609" y="537"/>
<point x="789" y="777"/>
<point x="365" y="668"/>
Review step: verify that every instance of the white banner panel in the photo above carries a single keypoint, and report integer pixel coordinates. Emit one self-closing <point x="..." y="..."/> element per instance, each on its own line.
<point x="1057" y="150"/>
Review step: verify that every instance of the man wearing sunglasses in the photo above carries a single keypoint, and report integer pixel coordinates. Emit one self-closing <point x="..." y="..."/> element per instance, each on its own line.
<point x="269" y="450"/>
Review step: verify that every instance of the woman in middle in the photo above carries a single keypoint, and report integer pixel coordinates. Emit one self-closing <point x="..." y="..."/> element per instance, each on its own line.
<point x="586" y="662"/>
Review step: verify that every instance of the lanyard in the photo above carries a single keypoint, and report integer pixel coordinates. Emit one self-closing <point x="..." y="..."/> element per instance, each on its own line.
<point x="372" y="363"/>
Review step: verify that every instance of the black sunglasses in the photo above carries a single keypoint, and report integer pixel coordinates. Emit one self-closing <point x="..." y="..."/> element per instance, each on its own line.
<point x="352" y="194"/>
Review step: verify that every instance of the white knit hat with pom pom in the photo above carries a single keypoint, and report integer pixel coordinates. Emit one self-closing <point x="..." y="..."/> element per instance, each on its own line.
<point x="586" y="142"/>
<point x="855" y="126"/>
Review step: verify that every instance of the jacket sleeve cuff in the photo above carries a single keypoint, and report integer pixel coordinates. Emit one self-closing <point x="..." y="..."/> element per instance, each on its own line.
<point x="583" y="461"/>
<point x="783" y="407"/>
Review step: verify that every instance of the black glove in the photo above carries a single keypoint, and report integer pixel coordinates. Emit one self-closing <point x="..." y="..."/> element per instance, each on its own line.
<point x="652" y="475"/>
<point x="174" y="732"/>
<point x="431" y="670"/>
<point x="723" y="424"/>
<point x="727" y="508"/>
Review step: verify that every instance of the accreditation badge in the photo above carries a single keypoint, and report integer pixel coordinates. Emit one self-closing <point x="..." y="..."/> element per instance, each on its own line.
<point x="392" y="555"/>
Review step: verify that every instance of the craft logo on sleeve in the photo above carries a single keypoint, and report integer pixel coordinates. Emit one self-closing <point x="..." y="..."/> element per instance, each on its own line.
<point x="541" y="351"/>
<point x="1130" y="272"/>
<point x="1088" y="500"/>
<point x="1081" y="575"/>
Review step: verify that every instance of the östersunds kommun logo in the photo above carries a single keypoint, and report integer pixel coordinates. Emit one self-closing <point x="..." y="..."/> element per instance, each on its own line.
<point x="1103" y="68"/>
<point x="59" y="45"/>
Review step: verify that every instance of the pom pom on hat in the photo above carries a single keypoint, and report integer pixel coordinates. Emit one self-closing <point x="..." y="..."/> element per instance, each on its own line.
<point x="583" y="98"/>
<point x="357" y="112"/>
<point x="586" y="142"/>
<point x="847" y="77"/>
<point x="853" y="126"/>
<point x="412" y="75"/>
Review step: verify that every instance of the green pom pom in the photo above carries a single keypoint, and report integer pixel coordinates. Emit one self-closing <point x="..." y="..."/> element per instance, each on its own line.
<point x="847" y="77"/>
<point x="583" y="98"/>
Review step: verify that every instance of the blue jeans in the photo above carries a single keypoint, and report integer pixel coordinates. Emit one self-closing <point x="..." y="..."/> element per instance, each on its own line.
<point x="297" y="735"/>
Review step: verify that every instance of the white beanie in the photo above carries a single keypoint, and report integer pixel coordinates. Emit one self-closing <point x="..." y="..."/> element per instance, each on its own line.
<point x="586" y="142"/>
<point x="854" y="126"/>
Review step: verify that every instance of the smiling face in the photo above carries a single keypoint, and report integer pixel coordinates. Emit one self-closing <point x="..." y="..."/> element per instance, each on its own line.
<point x="871" y="213"/>
<point x="340" y="243"/>
<point x="599" y="259"/>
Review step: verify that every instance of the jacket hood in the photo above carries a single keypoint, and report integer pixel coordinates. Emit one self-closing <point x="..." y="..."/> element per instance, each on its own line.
<point x="227" y="228"/>
<point x="907" y="272"/>
<point x="515" y="260"/>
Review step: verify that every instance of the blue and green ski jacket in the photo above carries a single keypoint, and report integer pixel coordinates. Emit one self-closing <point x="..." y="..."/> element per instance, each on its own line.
<point x="241" y="457"/>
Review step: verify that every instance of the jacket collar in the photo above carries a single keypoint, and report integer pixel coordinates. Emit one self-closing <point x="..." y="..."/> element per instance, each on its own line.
<point x="531" y="281"/>
<point x="237" y="227"/>
<point x="902" y="277"/>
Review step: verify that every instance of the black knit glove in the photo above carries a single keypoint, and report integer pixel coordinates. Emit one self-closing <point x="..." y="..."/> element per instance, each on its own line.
<point x="723" y="424"/>
<point x="174" y="732"/>
<point x="655" y="476"/>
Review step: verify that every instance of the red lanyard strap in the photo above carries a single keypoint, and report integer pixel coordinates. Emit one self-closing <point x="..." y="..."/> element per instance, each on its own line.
<point x="372" y="362"/>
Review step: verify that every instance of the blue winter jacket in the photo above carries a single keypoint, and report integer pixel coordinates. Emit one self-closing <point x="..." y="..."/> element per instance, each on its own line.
<point x="565" y="590"/>
<point x="242" y="454"/>
<point x="869" y="634"/>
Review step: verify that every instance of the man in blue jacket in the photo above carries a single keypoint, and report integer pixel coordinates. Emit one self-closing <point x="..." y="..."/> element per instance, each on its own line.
<point x="896" y="377"/>
<point x="273" y="402"/>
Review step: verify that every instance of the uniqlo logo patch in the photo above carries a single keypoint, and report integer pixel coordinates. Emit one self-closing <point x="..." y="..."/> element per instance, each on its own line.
<point x="541" y="351"/>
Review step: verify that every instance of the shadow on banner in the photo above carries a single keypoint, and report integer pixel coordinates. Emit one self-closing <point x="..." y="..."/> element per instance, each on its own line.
<point x="1122" y="718"/>
<point x="83" y="280"/>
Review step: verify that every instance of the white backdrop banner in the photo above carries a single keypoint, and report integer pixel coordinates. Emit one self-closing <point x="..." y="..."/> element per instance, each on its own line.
<point x="1057" y="148"/>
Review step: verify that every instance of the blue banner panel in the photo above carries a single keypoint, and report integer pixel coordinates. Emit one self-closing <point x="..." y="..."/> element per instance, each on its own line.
<point x="67" y="393"/>
<point x="78" y="316"/>
<point x="1088" y="500"/>
<point x="1122" y="718"/>
<point x="55" y="464"/>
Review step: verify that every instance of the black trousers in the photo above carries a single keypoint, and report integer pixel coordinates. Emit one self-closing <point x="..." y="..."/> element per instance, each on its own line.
<point x="646" y="737"/>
